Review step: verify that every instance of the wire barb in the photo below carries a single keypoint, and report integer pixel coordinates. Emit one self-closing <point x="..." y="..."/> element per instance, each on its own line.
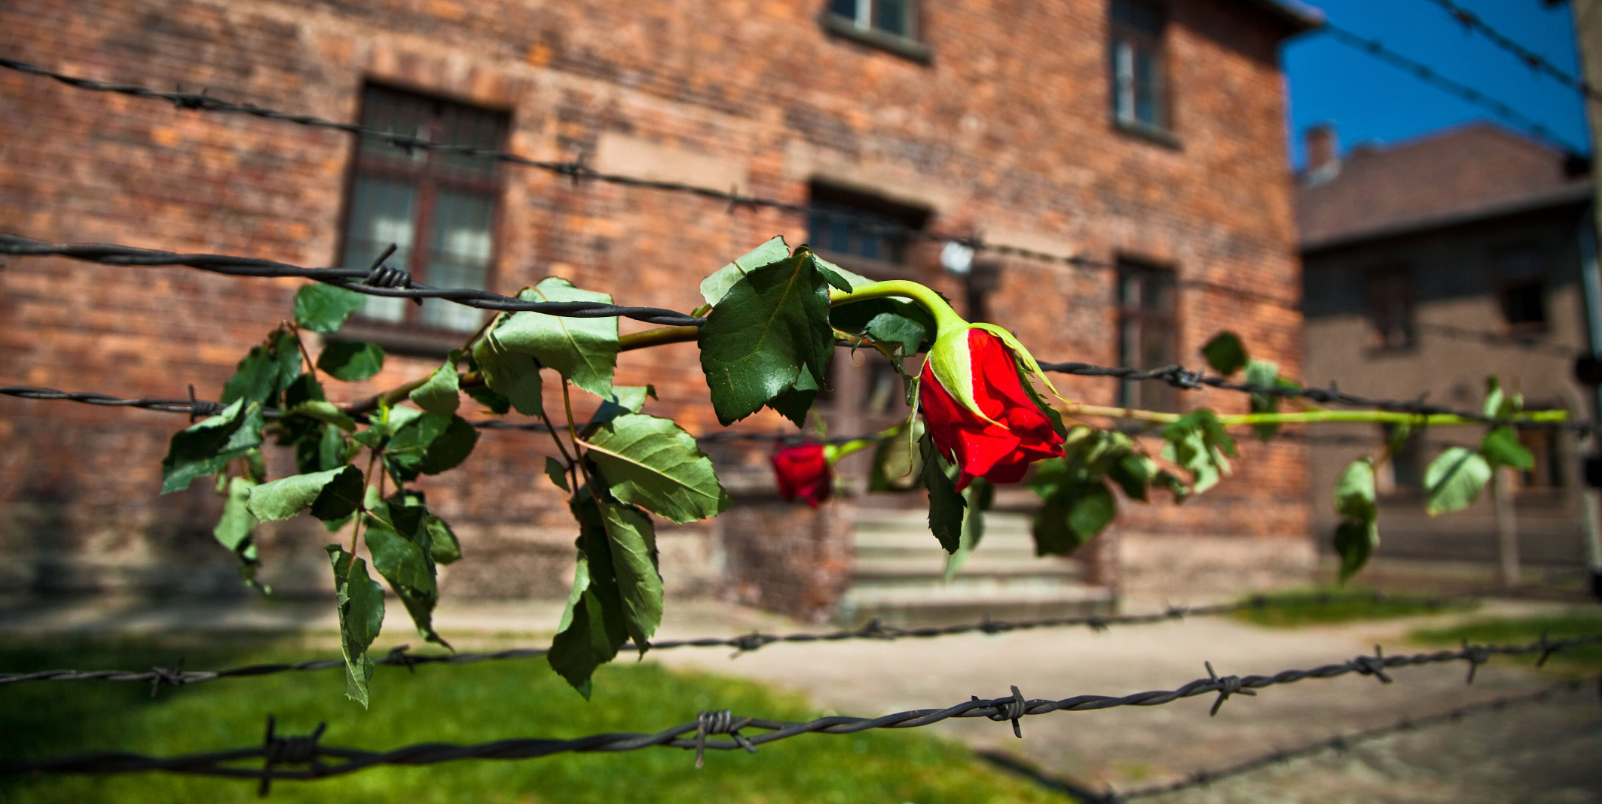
<point x="720" y="722"/>
<point x="277" y="750"/>
<point x="1228" y="686"/>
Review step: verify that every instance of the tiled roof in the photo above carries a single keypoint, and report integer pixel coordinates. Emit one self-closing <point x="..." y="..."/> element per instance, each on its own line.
<point x="1451" y="176"/>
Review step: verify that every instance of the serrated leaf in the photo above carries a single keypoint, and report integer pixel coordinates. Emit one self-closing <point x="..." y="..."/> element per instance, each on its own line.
<point x="1134" y="473"/>
<point x="321" y="307"/>
<point x="593" y="624"/>
<point x="305" y="388"/>
<point x="719" y="283"/>
<point x="494" y="402"/>
<point x="438" y="394"/>
<point x="622" y="400"/>
<point x="325" y="412"/>
<point x="651" y="462"/>
<point x="206" y="447"/>
<point x="1266" y="374"/>
<point x="360" y="603"/>
<point x="514" y="376"/>
<point x="428" y="444"/>
<point x="892" y="322"/>
<point x="1225" y="353"/>
<point x="977" y="500"/>
<point x="794" y="403"/>
<point x="1454" y="480"/>
<point x="555" y="471"/>
<point x="1502" y="447"/>
<point x="1354" y="541"/>
<point x="947" y="506"/>
<point x="1356" y="491"/>
<point x="402" y="547"/>
<point x="234" y="529"/>
<point x="582" y="349"/>
<point x="1091" y="511"/>
<point x="443" y="545"/>
<point x="772" y="323"/>
<point x="331" y="495"/>
<point x="321" y="450"/>
<point x="1198" y="443"/>
<point x="832" y="277"/>
<point x="265" y="371"/>
<point x="351" y="360"/>
<point x="632" y="543"/>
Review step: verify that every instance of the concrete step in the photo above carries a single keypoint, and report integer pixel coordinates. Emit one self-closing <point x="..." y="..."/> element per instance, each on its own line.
<point x="896" y="571"/>
<point x="905" y="606"/>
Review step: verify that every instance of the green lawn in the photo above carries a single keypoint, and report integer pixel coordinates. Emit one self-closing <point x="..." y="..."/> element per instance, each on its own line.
<point x="1525" y="630"/>
<point x="463" y="704"/>
<point x="1297" y="608"/>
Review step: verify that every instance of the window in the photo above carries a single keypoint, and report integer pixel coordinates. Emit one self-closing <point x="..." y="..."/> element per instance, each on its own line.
<point x="439" y="209"/>
<point x="1405" y="469"/>
<point x="1136" y="48"/>
<point x="861" y="231"/>
<point x="1390" y="301"/>
<point x="892" y="17"/>
<point x="1546" y="471"/>
<point x="1520" y="285"/>
<point x="1146" y="301"/>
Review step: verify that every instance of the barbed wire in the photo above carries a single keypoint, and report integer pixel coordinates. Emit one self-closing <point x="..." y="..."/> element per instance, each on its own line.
<point x="1532" y="59"/>
<point x="577" y="171"/>
<point x="1340" y="742"/>
<point x="158" y="677"/>
<point x="1463" y="91"/>
<point x="694" y="735"/>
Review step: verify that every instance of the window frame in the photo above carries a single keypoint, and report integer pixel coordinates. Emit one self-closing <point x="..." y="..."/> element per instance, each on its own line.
<point x="427" y="177"/>
<point x="1168" y="398"/>
<point x="1502" y="285"/>
<point x="870" y="204"/>
<point x="861" y="28"/>
<point x="1164" y="131"/>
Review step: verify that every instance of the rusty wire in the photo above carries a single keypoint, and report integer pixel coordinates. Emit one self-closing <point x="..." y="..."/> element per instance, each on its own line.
<point x="308" y="752"/>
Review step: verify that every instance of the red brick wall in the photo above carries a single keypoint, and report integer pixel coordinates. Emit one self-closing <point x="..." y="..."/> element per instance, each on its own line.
<point x="1005" y="132"/>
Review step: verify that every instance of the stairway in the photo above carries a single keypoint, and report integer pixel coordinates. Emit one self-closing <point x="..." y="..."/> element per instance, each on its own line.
<point x="897" y="577"/>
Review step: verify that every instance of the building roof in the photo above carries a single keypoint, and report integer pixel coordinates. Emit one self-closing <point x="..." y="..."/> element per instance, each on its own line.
<point x="1454" y="176"/>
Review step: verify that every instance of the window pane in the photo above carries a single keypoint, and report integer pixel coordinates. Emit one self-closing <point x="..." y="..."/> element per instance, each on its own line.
<point x="459" y="256"/>
<point x="381" y="214"/>
<point x="464" y="126"/>
<point x="1123" y="92"/>
<point x="845" y="8"/>
<point x="892" y="17"/>
<point x="1137" y="15"/>
<point x="387" y="110"/>
<point x="1146" y="86"/>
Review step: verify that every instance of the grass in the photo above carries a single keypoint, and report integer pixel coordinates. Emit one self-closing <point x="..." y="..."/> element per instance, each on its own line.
<point x="1582" y="659"/>
<point x="1328" y="606"/>
<point x="461" y="704"/>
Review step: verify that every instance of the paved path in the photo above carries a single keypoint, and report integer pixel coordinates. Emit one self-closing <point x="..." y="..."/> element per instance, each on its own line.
<point x="1541" y="753"/>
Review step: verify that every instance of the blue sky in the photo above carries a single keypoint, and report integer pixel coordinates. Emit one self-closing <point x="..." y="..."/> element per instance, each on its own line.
<point x="1371" y="101"/>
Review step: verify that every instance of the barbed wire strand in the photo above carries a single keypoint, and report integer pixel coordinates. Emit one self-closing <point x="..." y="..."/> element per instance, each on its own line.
<point x="309" y="752"/>
<point x="1472" y="22"/>
<point x="158" y="677"/>
<point x="577" y="171"/>
<point x="1460" y="90"/>
<point x="1340" y="742"/>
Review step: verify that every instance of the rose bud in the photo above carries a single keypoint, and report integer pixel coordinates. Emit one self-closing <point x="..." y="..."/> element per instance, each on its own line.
<point x="803" y="471"/>
<point x="977" y="409"/>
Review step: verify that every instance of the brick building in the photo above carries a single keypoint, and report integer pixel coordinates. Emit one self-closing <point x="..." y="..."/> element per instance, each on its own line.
<point x="1142" y="133"/>
<point x="1428" y="266"/>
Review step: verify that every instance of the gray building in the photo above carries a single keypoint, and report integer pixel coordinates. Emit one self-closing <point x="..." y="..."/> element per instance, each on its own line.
<point x="1428" y="266"/>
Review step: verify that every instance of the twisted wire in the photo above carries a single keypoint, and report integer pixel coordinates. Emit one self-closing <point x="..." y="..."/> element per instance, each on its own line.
<point x="1531" y="58"/>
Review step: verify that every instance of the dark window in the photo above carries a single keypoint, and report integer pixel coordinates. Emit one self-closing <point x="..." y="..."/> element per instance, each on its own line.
<point x="1546" y="471"/>
<point x="894" y="17"/>
<point x="1390" y="300"/>
<point x="861" y="231"/>
<point x="438" y="209"/>
<point x="1136" y="53"/>
<point x="1520" y="285"/>
<point x="1406" y="466"/>
<point x="1146" y="300"/>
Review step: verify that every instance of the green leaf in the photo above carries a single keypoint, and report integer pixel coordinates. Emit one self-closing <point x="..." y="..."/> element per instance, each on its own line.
<point x="1454" y="480"/>
<point x="977" y="500"/>
<point x="1356" y="491"/>
<point x="265" y="371"/>
<point x="794" y="403"/>
<point x="514" y="376"/>
<point x="1134" y="473"/>
<point x="1502" y="447"/>
<point x="206" y="447"/>
<point x="632" y="542"/>
<point x="321" y="307"/>
<point x="895" y="467"/>
<point x="1499" y="403"/>
<point x="351" y="360"/>
<point x="622" y="400"/>
<point x="402" y="547"/>
<point x="360" y="603"/>
<point x="494" y="402"/>
<point x="305" y="388"/>
<point x="1050" y="528"/>
<point x="772" y="323"/>
<point x="324" y="412"/>
<point x="832" y="277"/>
<point x="555" y="471"/>
<point x="593" y="624"/>
<point x="321" y="450"/>
<point x="331" y="495"/>
<point x="1225" y="353"/>
<point x="234" y="529"/>
<point x="716" y="286"/>
<point x="892" y="322"/>
<point x="652" y="463"/>
<point x="1198" y="443"/>
<point x="1091" y="511"/>
<point x="439" y="394"/>
<point x="1267" y="374"/>
<point x="1354" y="541"/>
<point x="947" y="505"/>
<point x="582" y="349"/>
<point x="443" y="545"/>
<point x="429" y="444"/>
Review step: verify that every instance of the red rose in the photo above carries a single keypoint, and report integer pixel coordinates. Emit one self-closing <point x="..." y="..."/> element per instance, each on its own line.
<point x="1018" y="432"/>
<point x="803" y="472"/>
